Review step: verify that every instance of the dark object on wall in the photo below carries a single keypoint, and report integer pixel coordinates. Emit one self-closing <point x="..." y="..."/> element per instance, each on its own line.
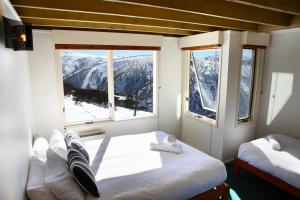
<point x="18" y="35"/>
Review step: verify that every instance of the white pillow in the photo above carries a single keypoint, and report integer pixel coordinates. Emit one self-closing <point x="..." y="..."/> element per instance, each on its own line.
<point x="36" y="188"/>
<point x="274" y="143"/>
<point x="59" y="179"/>
<point x="58" y="145"/>
<point x="39" y="148"/>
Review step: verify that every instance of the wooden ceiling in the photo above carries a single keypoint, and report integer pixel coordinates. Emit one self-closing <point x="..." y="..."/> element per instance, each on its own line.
<point x="164" y="17"/>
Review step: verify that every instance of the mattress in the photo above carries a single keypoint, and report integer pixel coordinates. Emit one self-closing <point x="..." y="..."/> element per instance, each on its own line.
<point x="126" y="168"/>
<point x="283" y="164"/>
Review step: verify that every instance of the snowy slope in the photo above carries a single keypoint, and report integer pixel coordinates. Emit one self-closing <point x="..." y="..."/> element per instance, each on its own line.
<point x="133" y="80"/>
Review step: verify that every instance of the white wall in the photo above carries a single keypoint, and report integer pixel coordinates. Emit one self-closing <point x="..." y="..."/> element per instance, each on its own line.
<point x="170" y="75"/>
<point x="202" y="39"/>
<point x="15" y="116"/>
<point x="46" y="89"/>
<point x="279" y="109"/>
<point x="44" y="84"/>
<point x="235" y="134"/>
<point x="105" y="38"/>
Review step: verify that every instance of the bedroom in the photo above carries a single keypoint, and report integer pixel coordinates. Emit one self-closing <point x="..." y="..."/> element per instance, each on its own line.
<point x="222" y="77"/>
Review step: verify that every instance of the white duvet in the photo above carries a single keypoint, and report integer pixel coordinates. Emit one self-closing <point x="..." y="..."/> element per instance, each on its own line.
<point x="283" y="164"/>
<point x="125" y="168"/>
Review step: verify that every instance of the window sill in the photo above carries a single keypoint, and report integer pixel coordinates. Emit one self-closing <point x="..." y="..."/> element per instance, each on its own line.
<point x="133" y="118"/>
<point x="81" y="124"/>
<point x="244" y="123"/>
<point x="201" y="118"/>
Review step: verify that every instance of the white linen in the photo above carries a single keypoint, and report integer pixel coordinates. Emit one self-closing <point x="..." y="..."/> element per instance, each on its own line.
<point x="170" y="139"/>
<point x="125" y="168"/>
<point x="162" y="146"/>
<point x="39" y="148"/>
<point x="57" y="144"/>
<point x="59" y="179"/>
<point x="284" y="164"/>
<point x="36" y="187"/>
<point x="274" y="143"/>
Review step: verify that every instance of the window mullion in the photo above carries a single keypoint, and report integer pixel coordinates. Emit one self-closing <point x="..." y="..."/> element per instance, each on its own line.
<point x="186" y="81"/>
<point x="110" y="79"/>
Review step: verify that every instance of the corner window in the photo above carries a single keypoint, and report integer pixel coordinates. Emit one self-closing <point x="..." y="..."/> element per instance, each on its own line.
<point x="203" y="80"/>
<point x="107" y="84"/>
<point x="247" y="76"/>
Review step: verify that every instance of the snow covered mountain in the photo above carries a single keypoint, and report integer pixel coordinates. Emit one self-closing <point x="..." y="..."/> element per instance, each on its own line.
<point x="88" y="74"/>
<point x="245" y="91"/>
<point x="85" y="79"/>
<point x="203" y="86"/>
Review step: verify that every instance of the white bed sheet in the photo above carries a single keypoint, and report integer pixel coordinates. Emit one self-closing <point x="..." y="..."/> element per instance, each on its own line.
<point x="283" y="164"/>
<point x="125" y="168"/>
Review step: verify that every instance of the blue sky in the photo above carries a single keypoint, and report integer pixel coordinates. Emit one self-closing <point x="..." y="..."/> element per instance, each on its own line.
<point x="131" y="53"/>
<point x="115" y="53"/>
<point x="247" y="53"/>
<point x="204" y="54"/>
<point x="89" y="52"/>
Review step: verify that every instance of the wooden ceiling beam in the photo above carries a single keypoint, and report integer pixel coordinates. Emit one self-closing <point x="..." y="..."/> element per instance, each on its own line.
<point x="99" y="30"/>
<point x="285" y="6"/>
<point x="267" y="28"/>
<point x="137" y="11"/>
<point x="295" y="22"/>
<point x="100" y="18"/>
<point x="218" y="8"/>
<point x="102" y="26"/>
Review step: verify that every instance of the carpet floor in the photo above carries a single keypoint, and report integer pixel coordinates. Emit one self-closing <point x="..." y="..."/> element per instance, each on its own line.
<point x="250" y="187"/>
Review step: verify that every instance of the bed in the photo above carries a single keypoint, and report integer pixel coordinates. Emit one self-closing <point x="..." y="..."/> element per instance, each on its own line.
<point x="280" y="167"/>
<point x="125" y="168"/>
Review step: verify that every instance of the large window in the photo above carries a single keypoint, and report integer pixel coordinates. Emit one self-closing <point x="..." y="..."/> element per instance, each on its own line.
<point x="107" y="84"/>
<point x="246" y="84"/>
<point x="203" y="79"/>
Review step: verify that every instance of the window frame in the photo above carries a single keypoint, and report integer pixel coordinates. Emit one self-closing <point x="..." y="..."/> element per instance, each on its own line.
<point x="186" y="73"/>
<point x="253" y="84"/>
<point x="110" y="75"/>
<point x="259" y="64"/>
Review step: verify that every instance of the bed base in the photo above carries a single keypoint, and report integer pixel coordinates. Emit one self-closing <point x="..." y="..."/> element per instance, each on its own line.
<point x="238" y="163"/>
<point x="220" y="191"/>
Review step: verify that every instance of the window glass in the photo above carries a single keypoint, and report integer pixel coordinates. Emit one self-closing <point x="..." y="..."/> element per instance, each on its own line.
<point x="133" y="83"/>
<point x="203" y="82"/>
<point x="85" y="85"/>
<point x="246" y="84"/>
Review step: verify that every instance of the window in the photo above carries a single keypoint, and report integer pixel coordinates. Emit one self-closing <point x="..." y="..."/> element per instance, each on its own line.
<point x="85" y="85"/>
<point x="87" y="81"/>
<point x="246" y="84"/>
<point x="203" y="82"/>
<point x="133" y="81"/>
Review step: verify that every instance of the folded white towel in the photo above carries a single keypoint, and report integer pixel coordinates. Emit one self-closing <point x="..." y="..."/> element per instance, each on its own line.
<point x="274" y="143"/>
<point x="170" y="139"/>
<point x="173" y="148"/>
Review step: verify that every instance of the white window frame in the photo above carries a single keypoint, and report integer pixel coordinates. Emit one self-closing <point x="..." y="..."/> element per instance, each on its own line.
<point x="185" y="101"/>
<point x="252" y="86"/>
<point x="256" y="87"/>
<point x="111" y="102"/>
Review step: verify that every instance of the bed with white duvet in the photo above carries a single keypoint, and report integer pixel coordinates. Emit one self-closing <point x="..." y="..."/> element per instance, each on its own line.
<point x="125" y="168"/>
<point x="276" y="154"/>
